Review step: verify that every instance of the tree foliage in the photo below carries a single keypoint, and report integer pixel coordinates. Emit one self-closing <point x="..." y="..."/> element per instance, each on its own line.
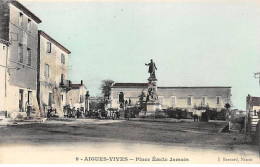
<point x="106" y="87"/>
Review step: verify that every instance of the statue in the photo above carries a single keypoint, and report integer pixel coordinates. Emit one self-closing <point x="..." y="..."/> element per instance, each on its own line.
<point x="152" y="68"/>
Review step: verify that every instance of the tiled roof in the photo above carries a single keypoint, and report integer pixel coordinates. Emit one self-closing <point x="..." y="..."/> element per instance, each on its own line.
<point x="179" y="87"/>
<point x="26" y="11"/>
<point x="54" y="41"/>
<point x="130" y="85"/>
<point x="75" y="86"/>
<point x="176" y="87"/>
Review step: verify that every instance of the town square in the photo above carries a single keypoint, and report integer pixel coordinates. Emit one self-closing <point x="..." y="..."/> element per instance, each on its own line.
<point x="129" y="82"/>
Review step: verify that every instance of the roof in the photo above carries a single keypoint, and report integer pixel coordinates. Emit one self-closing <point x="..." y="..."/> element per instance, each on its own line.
<point x="75" y="86"/>
<point x="180" y="87"/>
<point x="130" y="85"/>
<point x="177" y="87"/>
<point x="54" y="41"/>
<point x="254" y="101"/>
<point x="26" y="11"/>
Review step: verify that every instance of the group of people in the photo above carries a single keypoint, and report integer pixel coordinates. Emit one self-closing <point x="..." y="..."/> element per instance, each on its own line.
<point x="51" y="113"/>
<point x="72" y="112"/>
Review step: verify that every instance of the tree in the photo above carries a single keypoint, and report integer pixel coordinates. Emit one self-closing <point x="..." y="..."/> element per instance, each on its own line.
<point x="106" y="87"/>
<point x="227" y="106"/>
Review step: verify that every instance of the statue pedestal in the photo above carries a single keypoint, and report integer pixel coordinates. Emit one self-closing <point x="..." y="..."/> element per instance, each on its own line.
<point x="151" y="108"/>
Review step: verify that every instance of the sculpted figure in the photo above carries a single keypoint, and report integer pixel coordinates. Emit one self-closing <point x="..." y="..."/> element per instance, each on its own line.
<point x="152" y="68"/>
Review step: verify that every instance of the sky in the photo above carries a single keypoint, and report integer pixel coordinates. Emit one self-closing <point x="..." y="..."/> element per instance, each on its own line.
<point x="192" y="42"/>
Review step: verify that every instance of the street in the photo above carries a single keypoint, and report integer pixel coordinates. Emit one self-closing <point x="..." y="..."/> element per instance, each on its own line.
<point x="93" y="137"/>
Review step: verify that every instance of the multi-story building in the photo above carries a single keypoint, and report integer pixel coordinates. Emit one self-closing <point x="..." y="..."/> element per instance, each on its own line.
<point x="3" y="73"/>
<point x="76" y="96"/>
<point x="179" y="97"/>
<point x="19" y="26"/>
<point x="253" y="112"/>
<point x="52" y="78"/>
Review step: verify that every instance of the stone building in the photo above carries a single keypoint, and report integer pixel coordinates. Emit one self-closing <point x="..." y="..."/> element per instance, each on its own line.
<point x="19" y="26"/>
<point x="52" y="76"/>
<point x="253" y="110"/>
<point x="76" y="96"/>
<point x="3" y="73"/>
<point x="180" y="97"/>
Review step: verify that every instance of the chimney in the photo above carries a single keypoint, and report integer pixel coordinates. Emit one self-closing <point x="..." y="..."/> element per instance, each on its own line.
<point x="69" y="82"/>
<point x="81" y="82"/>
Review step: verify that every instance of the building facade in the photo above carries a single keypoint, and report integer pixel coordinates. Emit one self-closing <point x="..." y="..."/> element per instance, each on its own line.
<point x="19" y="26"/>
<point x="76" y="96"/>
<point x="179" y="97"/>
<point x="3" y="73"/>
<point x="52" y="77"/>
<point x="252" y="110"/>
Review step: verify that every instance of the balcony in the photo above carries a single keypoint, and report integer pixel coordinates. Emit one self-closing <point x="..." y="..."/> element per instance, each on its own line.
<point x="64" y="84"/>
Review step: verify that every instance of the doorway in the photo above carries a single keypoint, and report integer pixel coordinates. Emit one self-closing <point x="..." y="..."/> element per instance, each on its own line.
<point x="20" y="100"/>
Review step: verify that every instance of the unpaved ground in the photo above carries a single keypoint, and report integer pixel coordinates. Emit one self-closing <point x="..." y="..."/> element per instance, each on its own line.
<point x="130" y="136"/>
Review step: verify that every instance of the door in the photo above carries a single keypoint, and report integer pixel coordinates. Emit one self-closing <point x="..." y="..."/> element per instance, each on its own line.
<point x="30" y="103"/>
<point x="50" y="99"/>
<point x="21" y="100"/>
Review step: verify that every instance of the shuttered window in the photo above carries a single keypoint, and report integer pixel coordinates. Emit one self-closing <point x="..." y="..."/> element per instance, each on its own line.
<point x="48" y="47"/>
<point x="29" y="57"/>
<point x="47" y="70"/>
<point x="62" y="58"/>
<point x="20" y="53"/>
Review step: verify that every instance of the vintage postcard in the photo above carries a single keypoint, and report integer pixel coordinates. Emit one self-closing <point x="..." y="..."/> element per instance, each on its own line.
<point x="129" y="82"/>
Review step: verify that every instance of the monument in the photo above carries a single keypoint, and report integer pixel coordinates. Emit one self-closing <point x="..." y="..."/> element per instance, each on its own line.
<point x="152" y="103"/>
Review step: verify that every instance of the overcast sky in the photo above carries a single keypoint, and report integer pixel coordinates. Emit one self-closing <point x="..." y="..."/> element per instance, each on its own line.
<point x="193" y="43"/>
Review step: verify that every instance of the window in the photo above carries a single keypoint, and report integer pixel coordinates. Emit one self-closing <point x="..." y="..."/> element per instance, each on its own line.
<point x="61" y="97"/>
<point x="121" y="97"/>
<point x="47" y="70"/>
<point x="204" y="100"/>
<point x="81" y="98"/>
<point x="161" y="99"/>
<point x="20" y="53"/>
<point x="29" y="25"/>
<point x="218" y="100"/>
<point x="62" y="58"/>
<point x="62" y="79"/>
<point x="189" y="100"/>
<point x="173" y="100"/>
<point x="48" y="47"/>
<point x="21" y="20"/>
<point x="29" y="57"/>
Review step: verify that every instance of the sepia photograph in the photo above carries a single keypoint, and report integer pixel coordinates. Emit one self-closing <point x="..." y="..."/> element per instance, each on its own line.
<point x="130" y="82"/>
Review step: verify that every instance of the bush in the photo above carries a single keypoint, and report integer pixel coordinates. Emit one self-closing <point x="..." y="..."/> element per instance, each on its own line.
<point x="177" y="113"/>
<point x="204" y="117"/>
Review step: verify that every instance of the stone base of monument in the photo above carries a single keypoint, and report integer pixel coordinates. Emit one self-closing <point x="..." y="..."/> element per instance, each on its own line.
<point x="151" y="109"/>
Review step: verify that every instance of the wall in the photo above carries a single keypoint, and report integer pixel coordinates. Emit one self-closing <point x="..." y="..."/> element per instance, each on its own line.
<point x="73" y="97"/>
<point x="51" y="84"/>
<point x="26" y="76"/>
<point x="4" y="20"/>
<point x="131" y="92"/>
<point x="181" y="94"/>
<point x="21" y="75"/>
<point x="3" y="49"/>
